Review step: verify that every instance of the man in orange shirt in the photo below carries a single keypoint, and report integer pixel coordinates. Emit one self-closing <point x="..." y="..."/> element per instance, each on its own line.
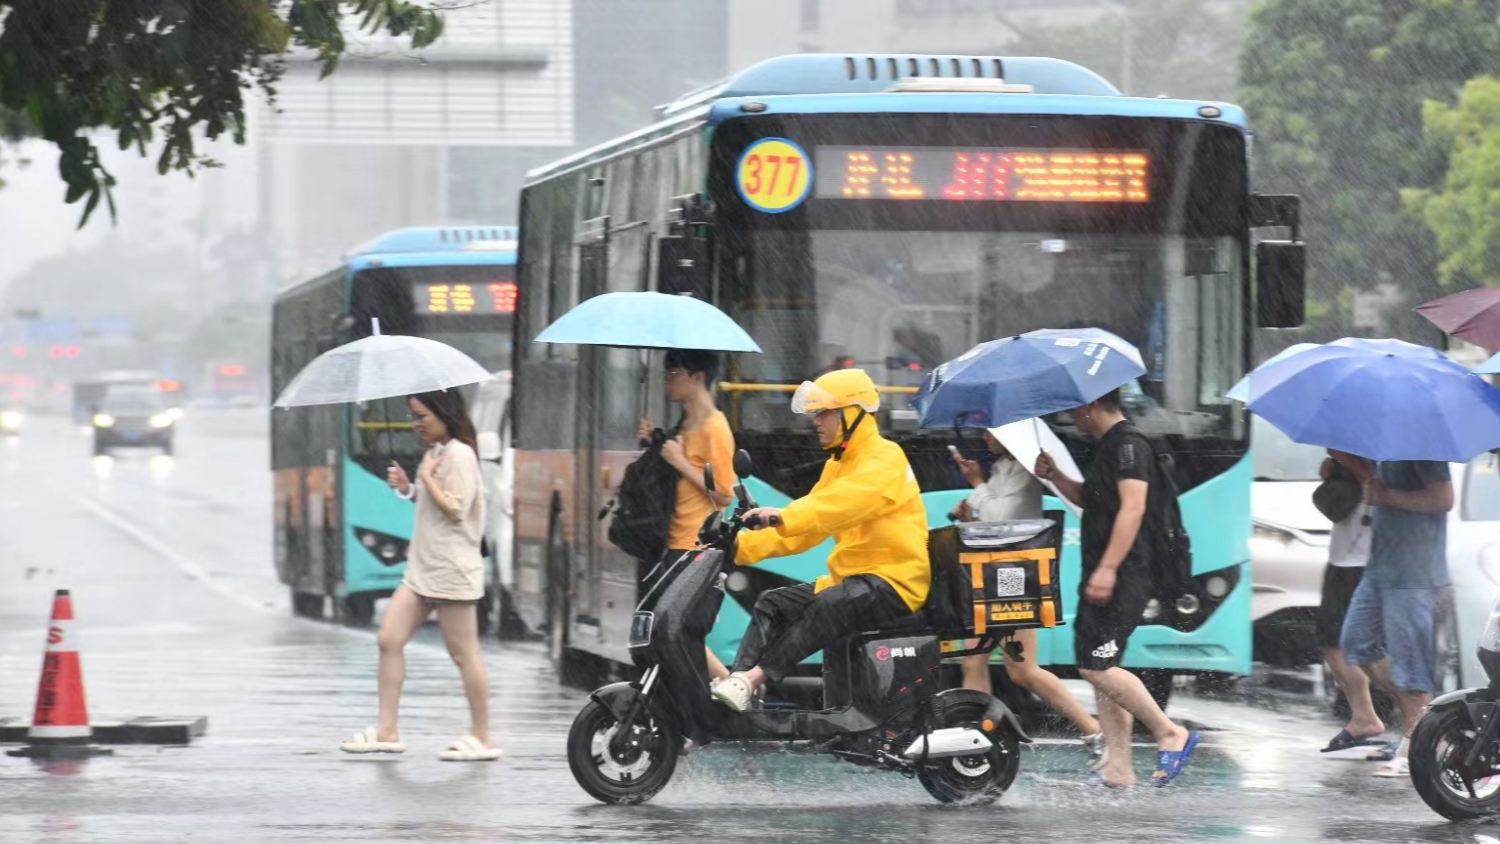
<point x="703" y="437"/>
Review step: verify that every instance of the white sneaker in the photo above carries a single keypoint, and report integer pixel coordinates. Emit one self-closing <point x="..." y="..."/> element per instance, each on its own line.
<point x="734" y="691"/>
<point x="1098" y="751"/>
<point x="1394" y="769"/>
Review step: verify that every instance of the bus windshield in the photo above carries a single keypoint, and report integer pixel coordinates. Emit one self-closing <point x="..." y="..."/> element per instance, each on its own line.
<point x="471" y="308"/>
<point x="898" y="303"/>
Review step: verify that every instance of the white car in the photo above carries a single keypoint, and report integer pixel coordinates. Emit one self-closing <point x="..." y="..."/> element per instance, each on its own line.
<point x="1290" y="548"/>
<point x="492" y="421"/>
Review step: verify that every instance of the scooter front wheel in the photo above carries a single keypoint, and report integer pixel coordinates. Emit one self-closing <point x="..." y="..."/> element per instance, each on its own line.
<point x="979" y="778"/>
<point x="1438" y="746"/>
<point x="621" y="773"/>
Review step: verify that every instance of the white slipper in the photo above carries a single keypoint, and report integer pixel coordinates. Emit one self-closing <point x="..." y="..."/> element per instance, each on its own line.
<point x="364" y="741"/>
<point x="734" y="691"/>
<point x="470" y="749"/>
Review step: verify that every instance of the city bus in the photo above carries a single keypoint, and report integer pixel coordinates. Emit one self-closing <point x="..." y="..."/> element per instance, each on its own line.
<point x="890" y="212"/>
<point x="341" y="536"/>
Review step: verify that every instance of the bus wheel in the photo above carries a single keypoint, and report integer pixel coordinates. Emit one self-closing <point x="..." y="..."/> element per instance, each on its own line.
<point x="1158" y="682"/>
<point x="557" y="590"/>
<point x="359" y="610"/>
<point x="307" y="605"/>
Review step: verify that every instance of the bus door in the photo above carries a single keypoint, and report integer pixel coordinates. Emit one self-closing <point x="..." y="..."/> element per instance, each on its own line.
<point x="611" y="392"/>
<point x="589" y="492"/>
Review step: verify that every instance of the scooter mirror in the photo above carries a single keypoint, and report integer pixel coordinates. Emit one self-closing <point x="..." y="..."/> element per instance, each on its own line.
<point x="708" y="476"/>
<point x="744" y="467"/>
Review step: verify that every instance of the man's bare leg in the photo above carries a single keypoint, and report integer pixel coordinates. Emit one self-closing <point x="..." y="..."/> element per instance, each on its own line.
<point x="1127" y="690"/>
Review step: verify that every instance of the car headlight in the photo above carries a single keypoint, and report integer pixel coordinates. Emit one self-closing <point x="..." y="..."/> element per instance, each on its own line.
<point x="103" y="420"/>
<point x="162" y="420"/>
<point x="175" y="414"/>
<point x="10" y="420"/>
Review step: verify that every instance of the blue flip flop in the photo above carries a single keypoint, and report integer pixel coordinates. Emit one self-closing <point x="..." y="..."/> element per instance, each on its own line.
<point x="1172" y="762"/>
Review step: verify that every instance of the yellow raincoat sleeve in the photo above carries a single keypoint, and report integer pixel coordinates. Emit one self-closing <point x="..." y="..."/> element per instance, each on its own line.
<point x="836" y="504"/>
<point x="757" y="545"/>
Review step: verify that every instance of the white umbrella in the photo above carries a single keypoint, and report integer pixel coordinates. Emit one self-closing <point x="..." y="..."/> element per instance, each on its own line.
<point x="1027" y="439"/>
<point x="381" y="366"/>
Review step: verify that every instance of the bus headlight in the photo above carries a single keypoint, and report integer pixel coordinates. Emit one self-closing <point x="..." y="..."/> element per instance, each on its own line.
<point x="103" y="420"/>
<point x="162" y="420"/>
<point x="737" y="581"/>
<point x="389" y="550"/>
<point x="1216" y="586"/>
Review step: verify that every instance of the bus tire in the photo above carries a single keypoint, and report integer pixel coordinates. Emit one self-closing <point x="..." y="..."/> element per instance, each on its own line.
<point x="359" y="610"/>
<point x="1158" y="681"/>
<point x="307" y="605"/>
<point x="558" y="605"/>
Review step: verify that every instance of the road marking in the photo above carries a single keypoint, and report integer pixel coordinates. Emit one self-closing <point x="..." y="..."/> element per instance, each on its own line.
<point x="182" y="562"/>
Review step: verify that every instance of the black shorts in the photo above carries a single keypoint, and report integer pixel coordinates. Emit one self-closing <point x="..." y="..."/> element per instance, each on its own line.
<point x="1339" y="583"/>
<point x="1100" y="633"/>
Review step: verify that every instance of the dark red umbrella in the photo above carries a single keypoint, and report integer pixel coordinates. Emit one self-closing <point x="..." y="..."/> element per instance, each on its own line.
<point x="1473" y="315"/>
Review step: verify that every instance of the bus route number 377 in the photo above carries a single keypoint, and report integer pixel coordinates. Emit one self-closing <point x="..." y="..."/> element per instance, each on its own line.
<point x="774" y="175"/>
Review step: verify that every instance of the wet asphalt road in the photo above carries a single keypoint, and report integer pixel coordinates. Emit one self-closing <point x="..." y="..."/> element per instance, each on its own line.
<point x="169" y="563"/>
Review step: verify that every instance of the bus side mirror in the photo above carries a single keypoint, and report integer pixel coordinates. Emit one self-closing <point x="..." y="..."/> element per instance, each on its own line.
<point x="683" y="266"/>
<point x="1280" y="283"/>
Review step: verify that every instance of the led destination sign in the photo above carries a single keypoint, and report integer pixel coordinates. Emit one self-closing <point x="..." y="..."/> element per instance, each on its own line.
<point x="981" y="175"/>
<point x="464" y="298"/>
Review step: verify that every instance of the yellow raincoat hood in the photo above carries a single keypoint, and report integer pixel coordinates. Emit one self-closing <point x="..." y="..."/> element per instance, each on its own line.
<point x="869" y="502"/>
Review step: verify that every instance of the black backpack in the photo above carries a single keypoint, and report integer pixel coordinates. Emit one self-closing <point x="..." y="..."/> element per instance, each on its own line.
<point x="1171" y="548"/>
<point x="644" y="503"/>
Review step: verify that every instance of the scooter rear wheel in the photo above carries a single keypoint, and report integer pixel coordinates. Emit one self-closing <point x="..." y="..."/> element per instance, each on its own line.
<point x="626" y="777"/>
<point x="982" y="777"/>
<point x="1438" y="745"/>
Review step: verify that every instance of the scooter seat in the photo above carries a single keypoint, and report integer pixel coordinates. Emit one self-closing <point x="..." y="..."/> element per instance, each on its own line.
<point x="917" y="622"/>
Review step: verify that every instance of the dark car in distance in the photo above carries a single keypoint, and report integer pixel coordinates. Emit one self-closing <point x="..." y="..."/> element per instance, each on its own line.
<point x="133" y="417"/>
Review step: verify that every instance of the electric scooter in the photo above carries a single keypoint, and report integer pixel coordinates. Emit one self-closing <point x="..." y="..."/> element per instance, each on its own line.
<point x="1455" y="749"/>
<point x="881" y="706"/>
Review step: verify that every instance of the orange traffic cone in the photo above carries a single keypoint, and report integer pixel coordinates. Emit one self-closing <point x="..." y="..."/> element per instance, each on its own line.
<point x="60" y="728"/>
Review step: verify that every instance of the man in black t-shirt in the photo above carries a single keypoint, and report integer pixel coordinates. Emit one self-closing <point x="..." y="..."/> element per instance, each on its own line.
<point x="1116" y="585"/>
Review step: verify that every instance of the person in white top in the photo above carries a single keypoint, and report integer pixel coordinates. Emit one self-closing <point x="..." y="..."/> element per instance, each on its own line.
<point x="1011" y="493"/>
<point x="1348" y="552"/>
<point x="444" y="572"/>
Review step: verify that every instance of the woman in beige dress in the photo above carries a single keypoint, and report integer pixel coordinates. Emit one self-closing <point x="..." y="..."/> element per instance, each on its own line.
<point x="444" y="572"/>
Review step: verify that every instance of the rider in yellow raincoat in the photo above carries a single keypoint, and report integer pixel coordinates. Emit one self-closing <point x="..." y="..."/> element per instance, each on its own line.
<point x="867" y="500"/>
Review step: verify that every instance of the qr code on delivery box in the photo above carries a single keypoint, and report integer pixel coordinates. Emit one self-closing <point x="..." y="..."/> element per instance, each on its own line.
<point x="1010" y="582"/>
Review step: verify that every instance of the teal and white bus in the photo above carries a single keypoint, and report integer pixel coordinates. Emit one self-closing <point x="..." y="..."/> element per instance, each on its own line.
<point x="889" y="212"/>
<point x="340" y="533"/>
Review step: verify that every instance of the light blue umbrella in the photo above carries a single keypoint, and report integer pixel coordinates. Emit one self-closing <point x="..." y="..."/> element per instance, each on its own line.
<point x="1380" y="399"/>
<point x="1489" y="367"/>
<point x="649" y="320"/>
<point x="1240" y="392"/>
<point x="1024" y="377"/>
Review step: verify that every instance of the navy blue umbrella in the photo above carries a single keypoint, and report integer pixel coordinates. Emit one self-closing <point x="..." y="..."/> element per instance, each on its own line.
<point x="1025" y="377"/>
<point x="1380" y="399"/>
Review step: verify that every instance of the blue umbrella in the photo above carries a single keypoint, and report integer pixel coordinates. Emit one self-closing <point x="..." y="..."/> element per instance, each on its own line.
<point x="649" y="321"/>
<point x="1381" y="399"/>
<point x="1489" y="367"/>
<point x="1026" y="376"/>
<point x="1240" y="392"/>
